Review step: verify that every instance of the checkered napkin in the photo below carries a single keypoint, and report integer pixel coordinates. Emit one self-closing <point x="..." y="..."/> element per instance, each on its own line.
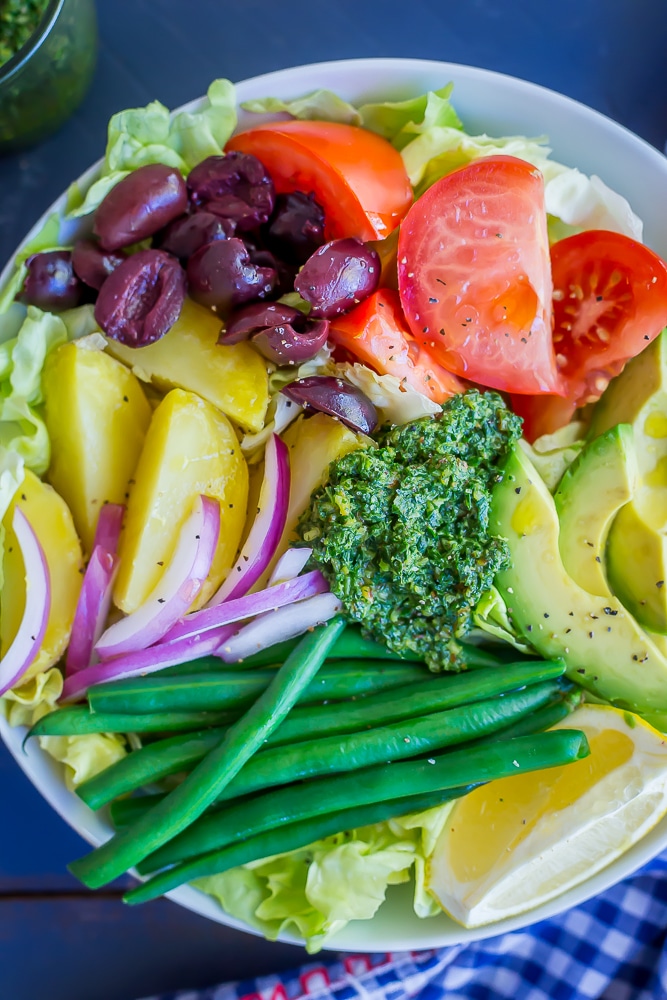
<point x="611" y="948"/>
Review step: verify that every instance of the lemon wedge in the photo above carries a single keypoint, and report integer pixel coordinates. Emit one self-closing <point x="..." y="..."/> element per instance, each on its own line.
<point x="518" y="842"/>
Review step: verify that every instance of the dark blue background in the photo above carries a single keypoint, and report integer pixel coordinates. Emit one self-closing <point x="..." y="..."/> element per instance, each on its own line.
<point x="56" y="940"/>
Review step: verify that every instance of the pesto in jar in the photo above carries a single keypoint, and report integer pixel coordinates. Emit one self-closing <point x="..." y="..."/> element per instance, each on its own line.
<point x="19" y="19"/>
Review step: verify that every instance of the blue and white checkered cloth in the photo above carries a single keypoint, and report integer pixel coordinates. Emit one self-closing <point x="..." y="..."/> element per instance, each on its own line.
<point x="611" y="948"/>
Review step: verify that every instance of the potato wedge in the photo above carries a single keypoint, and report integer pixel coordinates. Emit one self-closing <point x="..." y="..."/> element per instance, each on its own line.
<point x="313" y="442"/>
<point x="52" y="522"/>
<point x="97" y="415"/>
<point x="191" y="448"/>
<point x="189" y="357"/>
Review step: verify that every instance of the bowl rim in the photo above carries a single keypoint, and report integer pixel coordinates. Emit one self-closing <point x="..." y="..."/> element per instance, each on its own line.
<point x="375" y="935"/>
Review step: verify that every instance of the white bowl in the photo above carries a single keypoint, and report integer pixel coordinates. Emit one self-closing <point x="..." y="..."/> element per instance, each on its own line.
<point x="500" y="105"/>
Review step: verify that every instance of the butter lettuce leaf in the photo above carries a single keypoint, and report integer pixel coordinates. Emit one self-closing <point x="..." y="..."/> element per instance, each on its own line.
<point x="397" y="121"/>
<point x="38" y="696"/>
<point x="318" y="105"/>
<point x="492" y="619"/>
<point x="139" y="136"/>
<point x="84" y="756"/>
<point x="315" y="891"/>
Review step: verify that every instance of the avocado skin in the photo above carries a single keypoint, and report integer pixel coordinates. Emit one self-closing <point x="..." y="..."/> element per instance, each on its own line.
<point x="601" y="480"/>
<point x="604" y="648"/>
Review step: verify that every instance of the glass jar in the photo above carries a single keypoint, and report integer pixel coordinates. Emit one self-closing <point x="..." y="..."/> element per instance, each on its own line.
<point x="46" y="80"/>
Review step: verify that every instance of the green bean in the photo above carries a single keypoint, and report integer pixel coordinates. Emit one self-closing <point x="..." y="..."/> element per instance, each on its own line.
<point x="179" y="753"/>
<point x="202" y="665"/>
<point x="201" y="787"/>
<point x="465" y="767"/>
<point x="76" y="720"/>
<point x="127" y="810"/>
<point x="546" y="716"/>
<point x="283" y="764"/>
<point x="431" y="695"/>
<point x="124" y="811"/>
<point x="238" y="688"/>
<point x="407" y="738"/>
<point x="149" y="764"/>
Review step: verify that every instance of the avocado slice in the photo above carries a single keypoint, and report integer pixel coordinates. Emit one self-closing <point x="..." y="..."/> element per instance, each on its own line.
<point x="637" y="559"/>
<point x="604" y="648"/>
<point x="638" y="396"/>
<point x="601" y="480"/>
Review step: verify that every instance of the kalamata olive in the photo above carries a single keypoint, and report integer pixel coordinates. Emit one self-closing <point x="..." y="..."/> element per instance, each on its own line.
<point x="250" y="319"/>
<point x="51" y="283"/>
<point x="297" y="227"/>
<point x="336" y="397"/>
<point x="285" y="273"/>
<point x="338" y="276"/>
<point x="279" y="332"/>
<point x="235" y="186"/>
<point x="185" y="235"/>
<point x="222" y="276"/>
<point x="142" y="299"/>
<point x="93" y="264"/>
<point x="286" y="345"/>
<point x="145" y="201"/>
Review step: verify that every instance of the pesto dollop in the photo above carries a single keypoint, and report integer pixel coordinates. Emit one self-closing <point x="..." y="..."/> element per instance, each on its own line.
<point x="401" y="532"/>
<point x="19" y="19"/>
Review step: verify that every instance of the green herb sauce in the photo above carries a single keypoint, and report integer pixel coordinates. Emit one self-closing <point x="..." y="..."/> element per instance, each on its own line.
<point x="19" y="19"/>
<point x="401" y="532"/>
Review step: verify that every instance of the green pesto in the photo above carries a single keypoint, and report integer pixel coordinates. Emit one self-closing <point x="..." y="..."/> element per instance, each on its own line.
<point x="401" y="532"/>
<point x="19" y="19"/>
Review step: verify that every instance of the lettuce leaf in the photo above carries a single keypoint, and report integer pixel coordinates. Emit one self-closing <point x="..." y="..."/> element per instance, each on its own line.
<point x="84" y="756"/>
<point x="400" y="121"/>
<point x="396" y="121"/>
<point x="319" y="105"/>
<point x="27" y="704"/>
<point x="140" y="136"/>
<point x="491" y="617"/>
<point x="551" y="454"/>
<point x="315" y="891"/>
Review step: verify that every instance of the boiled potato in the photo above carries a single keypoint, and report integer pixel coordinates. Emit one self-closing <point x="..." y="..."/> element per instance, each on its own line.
<point x="52" y="522"/>
<point x="97" y="415"/>
<point x="190" y="449"/>
<point x="233" y="378"/>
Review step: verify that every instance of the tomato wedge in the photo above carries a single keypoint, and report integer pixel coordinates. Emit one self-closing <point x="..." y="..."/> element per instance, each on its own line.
<point x="542" y="414"/>
<point x="376" y="333"/>
<point x="474" y="275"/>
<point x="610" y="302"/>
<point x="357" y="177"/>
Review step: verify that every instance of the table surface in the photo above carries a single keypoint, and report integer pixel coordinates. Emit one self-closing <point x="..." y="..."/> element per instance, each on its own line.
<point x="606" y="53"/>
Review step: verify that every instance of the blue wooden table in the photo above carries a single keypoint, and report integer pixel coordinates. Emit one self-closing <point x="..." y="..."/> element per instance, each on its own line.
<point x="57" y="940"/>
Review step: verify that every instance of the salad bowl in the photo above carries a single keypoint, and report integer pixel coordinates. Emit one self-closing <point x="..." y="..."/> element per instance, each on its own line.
<point x="490" y="103"/>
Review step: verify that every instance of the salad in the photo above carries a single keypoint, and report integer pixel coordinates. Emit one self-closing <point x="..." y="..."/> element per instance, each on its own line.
<point x="331" y="484"/>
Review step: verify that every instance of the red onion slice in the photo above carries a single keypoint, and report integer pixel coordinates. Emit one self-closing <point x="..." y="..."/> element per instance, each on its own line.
<point x="308" y="585"/>
<point x="92" y="609"/>
<point x="108" y="527"/>
<point x="28" y="639"/>
<point x="175" y="591"/>
<point x="267" y="527"/>
<point x="145" y="661"/>
<point x="289" y="565"/>
<point x="286" y="623"/>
